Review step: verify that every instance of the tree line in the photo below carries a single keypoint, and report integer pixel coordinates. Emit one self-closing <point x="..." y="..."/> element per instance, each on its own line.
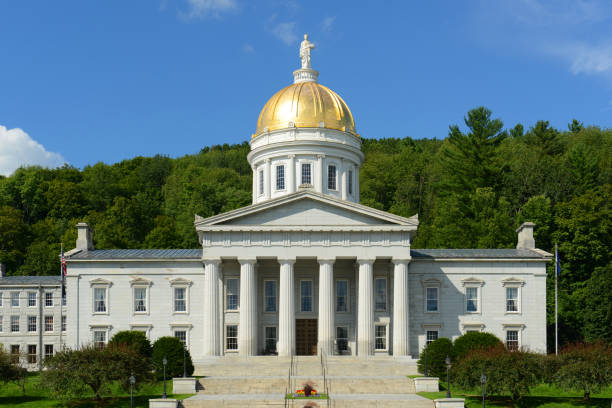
<point x="471" y="189"/>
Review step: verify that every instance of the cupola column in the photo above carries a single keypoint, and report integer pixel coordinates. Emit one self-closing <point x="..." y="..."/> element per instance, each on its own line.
<point x="267" y="179"/>
<point x="320" y="174"/>
<point x="357" y="184"/>
<point x="344" y="187"/>
<point x="291" y="180"/>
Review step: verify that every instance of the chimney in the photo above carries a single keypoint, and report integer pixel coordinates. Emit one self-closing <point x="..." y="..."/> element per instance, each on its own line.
<point x="84" y="240"/>
<point x="2" y="270"/>
<point x="525" y="236"/>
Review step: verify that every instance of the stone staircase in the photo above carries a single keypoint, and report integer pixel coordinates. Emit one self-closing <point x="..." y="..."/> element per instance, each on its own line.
<point x="262" y="382"/>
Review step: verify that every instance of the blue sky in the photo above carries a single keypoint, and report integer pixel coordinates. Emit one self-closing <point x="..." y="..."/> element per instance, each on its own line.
<point x="85" y="81"/>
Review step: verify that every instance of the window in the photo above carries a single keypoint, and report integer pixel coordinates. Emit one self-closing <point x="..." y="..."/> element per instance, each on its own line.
<point x="380" y="337"/>
<point x="342" y="339"/>
<point x="48" y="299"/>
<point x="342" y="296"/>
<point x="306" y="295"/>
<point x="15" y="353"/>
<point x="512" y="339"/>
<point x="31" y="323"/>
<point x="270" y="339"/>
<point x="231" y="337"/>
<point x="380" y="287"/>
<point x="471" y="299"/>
<point x="306" y="173"/>
<point x="49" y="323"/>
<point x="99" y="337"/>
<point x="32" y="353"/>
<point x="270" y="296"/>
<point x="140" y="300"/>
<point x="261" y="182"/>
<point x="512" y="300"/>
<point x="180" y="301"/>
<point x="350" y="181"/>
<point x="14" y="299"/>
<point x="331" y="177"/>
<point x="432" y="335"/>
<point x="14" y="324"/>
<point x="63" y="323"/>
<point x="48" y="350"/>
<point x="432" y="300"/>
<point x="99" y="300"/>
<point x="31" y="299"/>
<point x="182" y="336"/>
<point x="280" y="177"/>
<point x="232" y="291"/>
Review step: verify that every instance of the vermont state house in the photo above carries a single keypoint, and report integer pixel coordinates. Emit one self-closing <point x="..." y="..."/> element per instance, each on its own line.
<point x="305" y="268"/>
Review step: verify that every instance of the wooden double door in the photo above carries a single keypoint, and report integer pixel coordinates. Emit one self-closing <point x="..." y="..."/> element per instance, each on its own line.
<point x="306" y="337"/>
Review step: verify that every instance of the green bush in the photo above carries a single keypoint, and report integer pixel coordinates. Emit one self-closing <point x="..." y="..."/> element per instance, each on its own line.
<point x="508" y="372"/>
<point x="471" y="341"/>
<point x="585" y="367"/>
<point x="436" y="355"/>
<point x="133" y="339"/>
<point x="172" y="349"/>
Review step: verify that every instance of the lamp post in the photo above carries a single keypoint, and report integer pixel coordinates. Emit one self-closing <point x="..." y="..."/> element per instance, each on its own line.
<point x="132" y="382"/>
<point x="184" y="361"/>
<point x="426" y="368"/>
<point x="164" y="362"/>
<point x="483" y="381"/>
<point x="448" y="366"/>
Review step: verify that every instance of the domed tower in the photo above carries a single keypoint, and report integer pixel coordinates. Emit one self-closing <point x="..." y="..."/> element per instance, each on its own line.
<point x="305" y="138"/>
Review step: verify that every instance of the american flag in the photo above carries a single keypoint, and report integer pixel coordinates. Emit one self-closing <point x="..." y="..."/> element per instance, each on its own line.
<point x="63" y="265"/>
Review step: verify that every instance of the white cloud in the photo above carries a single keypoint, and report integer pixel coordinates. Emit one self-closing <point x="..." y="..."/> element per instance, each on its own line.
<point x="208" y="8"/>
<point x="285" y="32"/>
<point x="328" y="23"/>
<point x="248" y="48"/>
<point x="589" y="59"/>
<point x="18" y="149"/>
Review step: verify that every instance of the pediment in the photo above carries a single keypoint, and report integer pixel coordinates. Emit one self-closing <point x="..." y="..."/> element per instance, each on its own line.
<point x="307" y="209"/>
<point x="100" y="281"/>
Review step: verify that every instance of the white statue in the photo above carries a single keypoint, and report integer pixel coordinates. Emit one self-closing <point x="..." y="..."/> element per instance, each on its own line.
<point x="305" y="48"/>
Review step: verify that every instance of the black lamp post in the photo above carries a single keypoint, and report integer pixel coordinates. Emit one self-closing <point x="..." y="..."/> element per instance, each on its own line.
<point x="448" y="366"/>
<point x="184" y="361"/>
<point x="483" y="381"/>
<point x="426" y="368"/>
<point x="132" y="382"/>
<point x="164" y="362"/>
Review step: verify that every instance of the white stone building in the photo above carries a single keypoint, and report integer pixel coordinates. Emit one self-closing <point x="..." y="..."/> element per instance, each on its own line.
<point x="32" y="318"/>
<point x="306" y="267"/>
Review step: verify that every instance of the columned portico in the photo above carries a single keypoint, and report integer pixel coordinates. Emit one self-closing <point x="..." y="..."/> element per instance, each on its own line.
<point x="211" y="308"/>
<point x="326" y="306"/>
<point x="365" y="308"/>
<point x="247" y="331"/>
<point x="401" y="321"/>
<point x="286" y="306"/>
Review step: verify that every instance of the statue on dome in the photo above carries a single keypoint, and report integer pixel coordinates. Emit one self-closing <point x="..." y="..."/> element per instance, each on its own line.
<point x="305" y="48"/>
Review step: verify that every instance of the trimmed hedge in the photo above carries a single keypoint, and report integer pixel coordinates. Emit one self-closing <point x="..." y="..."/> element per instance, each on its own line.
<point x="172" y="349"/>
<point x="472" y="341"/>
<point x="436" y="355"/>
<point x="133" y="339"/>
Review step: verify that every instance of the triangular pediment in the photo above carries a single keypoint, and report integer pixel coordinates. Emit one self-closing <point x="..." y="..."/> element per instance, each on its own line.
<point x="307" y="209"/>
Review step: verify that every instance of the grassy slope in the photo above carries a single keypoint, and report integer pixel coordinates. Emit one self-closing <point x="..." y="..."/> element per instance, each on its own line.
<point x="37" y="396"/>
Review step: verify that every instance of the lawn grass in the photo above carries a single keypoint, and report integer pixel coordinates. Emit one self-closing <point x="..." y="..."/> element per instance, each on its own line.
<point x="541" y="396"/>
<point x="321" y="396"/>
<point x="37" y="396"/>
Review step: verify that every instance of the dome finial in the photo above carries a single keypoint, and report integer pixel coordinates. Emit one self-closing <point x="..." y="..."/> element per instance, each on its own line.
<point x="306" y="73"/>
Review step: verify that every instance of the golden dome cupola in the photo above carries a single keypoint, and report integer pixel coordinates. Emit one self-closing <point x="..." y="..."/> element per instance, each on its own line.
<point x="305" y="137"/>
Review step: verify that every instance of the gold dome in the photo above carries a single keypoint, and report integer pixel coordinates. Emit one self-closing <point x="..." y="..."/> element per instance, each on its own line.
<point x="306" y="105"/>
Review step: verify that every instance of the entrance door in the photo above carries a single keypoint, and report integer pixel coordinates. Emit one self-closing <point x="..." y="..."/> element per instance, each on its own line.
<point x="306" y="337"/>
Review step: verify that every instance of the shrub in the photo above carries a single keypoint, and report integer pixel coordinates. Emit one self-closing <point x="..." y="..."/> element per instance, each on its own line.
<point x="10" y="370"/>
<point x="436" y="355"/>
<point x="134" y="339"/>
<point x="472" y="341"/>
<point x="585" y="367"/>
<point x="172" y="349"/>
<point x="508" y="372"/>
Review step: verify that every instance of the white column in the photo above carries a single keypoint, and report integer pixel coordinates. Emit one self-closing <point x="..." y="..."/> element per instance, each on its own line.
<point x="212" y="338"/>
<point x="365" y="309"/>
<point x="319" y="177"/>
<point x="326" y="306"/>
<point x="343" y="172"/>
<point x="247" y="331"/>
<point x="401" y="321"/>
<point x="267" y="179"/>
<point x="356" y="186"/>
<point x="254" y="184"/>
<point x="291" y="181"/>
<point x="286" y="309"/>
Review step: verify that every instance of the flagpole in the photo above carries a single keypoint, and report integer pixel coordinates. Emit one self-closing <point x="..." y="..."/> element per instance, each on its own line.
<point x="61" y="295"/>
<point x="556" y="301"/>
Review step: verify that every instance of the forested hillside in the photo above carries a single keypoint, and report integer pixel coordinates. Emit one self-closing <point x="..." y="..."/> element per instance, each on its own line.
<point x="471" y="189"/>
